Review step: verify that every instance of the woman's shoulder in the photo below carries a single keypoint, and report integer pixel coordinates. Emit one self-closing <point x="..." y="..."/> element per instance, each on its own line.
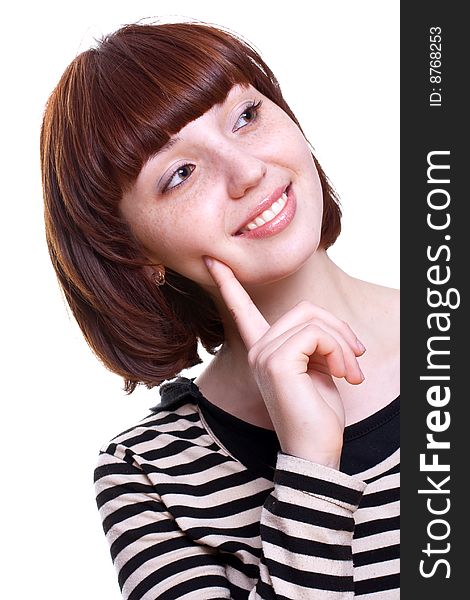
<point x="169" y="443"/>
<point x="378" y="328"/>
<point x="167" y="420"/>
<point x="382" y="312"/>
<point x="389" y="299"/>
<point x="387" y="317"/>
<point x="385" y="297"/>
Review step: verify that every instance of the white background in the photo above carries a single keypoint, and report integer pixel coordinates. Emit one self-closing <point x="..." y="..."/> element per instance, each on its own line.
<point x="337" y="62"/>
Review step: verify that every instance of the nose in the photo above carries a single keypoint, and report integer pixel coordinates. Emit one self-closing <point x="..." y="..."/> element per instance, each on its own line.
<point x="243" y="169"/>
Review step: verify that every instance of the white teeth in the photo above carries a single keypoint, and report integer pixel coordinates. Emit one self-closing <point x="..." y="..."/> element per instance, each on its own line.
<point x="268" y="214"/>
<point x="276" y="207"/>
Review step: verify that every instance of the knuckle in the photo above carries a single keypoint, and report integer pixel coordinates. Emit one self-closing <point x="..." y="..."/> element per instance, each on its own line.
<point x="305" y="306"/>
<point x="346" y="327"/>
<point x="315" y="326"/>
<point x="272" y="365"/>
<point x="315" y="323"/>
<point x="308" y="309"/>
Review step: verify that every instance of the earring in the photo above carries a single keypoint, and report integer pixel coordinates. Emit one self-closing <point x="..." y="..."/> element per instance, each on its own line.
<point x="158" y="277"/>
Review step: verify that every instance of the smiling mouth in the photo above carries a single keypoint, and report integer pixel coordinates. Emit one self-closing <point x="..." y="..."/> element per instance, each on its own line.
<point x="267" y="215"/>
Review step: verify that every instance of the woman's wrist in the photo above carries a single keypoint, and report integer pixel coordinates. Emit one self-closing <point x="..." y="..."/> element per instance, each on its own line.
<point x="327" y="459"/>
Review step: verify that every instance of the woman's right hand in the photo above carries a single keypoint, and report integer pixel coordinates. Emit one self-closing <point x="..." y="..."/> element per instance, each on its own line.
<point x="293" y="361"/>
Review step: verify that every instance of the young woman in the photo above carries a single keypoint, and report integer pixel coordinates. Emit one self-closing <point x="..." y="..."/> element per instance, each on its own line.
<point x="183" y="203"/>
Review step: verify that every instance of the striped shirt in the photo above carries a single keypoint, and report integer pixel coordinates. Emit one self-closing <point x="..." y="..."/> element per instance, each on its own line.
<point x="186" y="517"/>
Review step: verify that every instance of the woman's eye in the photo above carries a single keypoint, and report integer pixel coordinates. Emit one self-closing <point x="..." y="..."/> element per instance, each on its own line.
<point x="249" y="115"/>
<point x="179" y="176"/>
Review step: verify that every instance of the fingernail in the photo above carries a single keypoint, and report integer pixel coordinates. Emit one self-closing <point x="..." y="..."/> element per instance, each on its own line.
<point x="209" y="262"/>
<point x="362" y="374"/>
<point x="360" y="345"/>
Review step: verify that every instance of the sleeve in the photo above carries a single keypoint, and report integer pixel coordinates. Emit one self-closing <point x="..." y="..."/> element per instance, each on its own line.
<point x="307" y="527"/>
<point x="306" y="533"/>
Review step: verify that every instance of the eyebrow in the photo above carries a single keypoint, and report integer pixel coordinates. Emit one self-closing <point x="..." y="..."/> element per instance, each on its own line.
<point x="172" y="141"/>
<point x="167" y="146"/>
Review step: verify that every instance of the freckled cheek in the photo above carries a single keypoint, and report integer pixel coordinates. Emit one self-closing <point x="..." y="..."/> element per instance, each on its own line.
<point x="303" y="154"/>
<point x="291" y="149"/>
<point x="181" y="240"/>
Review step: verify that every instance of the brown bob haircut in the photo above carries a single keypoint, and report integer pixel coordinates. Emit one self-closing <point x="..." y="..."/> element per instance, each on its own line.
<point x="114" y="107"/>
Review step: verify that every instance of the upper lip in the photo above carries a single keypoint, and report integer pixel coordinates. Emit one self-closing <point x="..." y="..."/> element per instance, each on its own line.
<point x="263" y="205"/>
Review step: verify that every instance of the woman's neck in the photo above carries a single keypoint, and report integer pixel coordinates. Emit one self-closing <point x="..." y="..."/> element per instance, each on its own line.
<point x="319" y="280"/>
<point x="370" y="310"/>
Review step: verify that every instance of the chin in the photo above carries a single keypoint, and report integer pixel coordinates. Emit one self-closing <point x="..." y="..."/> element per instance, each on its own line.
<point x="277" y="268"/>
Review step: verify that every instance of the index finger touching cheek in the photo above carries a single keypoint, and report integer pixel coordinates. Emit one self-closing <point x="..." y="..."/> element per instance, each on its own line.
<point x="250" y="322"/>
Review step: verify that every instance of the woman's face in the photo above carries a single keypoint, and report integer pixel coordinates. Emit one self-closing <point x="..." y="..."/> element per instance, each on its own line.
<point x="196" y="196"/>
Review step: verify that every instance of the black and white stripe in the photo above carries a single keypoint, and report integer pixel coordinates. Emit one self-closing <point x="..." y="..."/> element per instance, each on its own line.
<point x="185" y="519"/>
